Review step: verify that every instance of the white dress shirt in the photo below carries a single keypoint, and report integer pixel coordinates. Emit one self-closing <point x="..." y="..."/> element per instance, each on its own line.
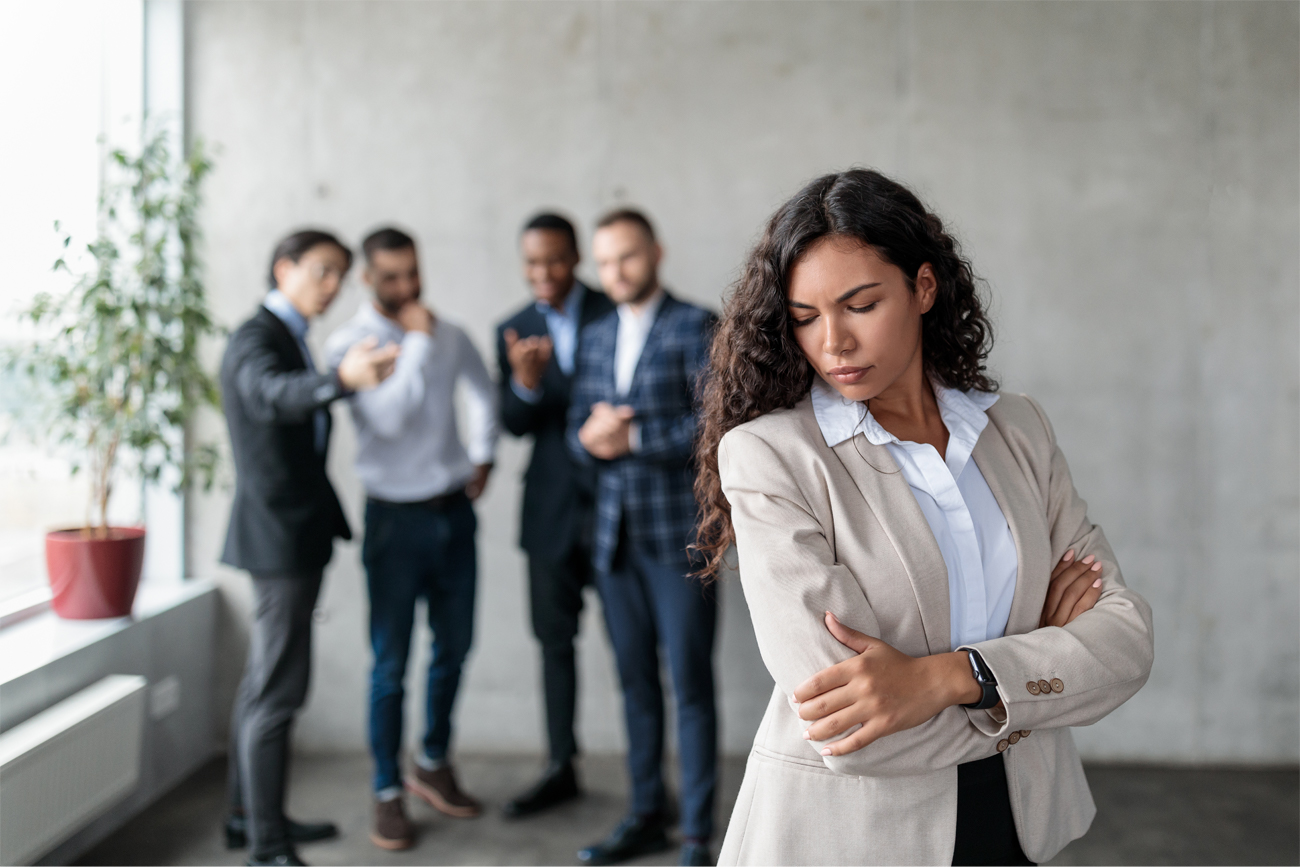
<point x="408" y="448"/>
<point x="633" y="331"/>
<point x="967" y="521"/>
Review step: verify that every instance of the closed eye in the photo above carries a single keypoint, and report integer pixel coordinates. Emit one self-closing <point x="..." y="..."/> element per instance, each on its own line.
<point x="866" y="308"/>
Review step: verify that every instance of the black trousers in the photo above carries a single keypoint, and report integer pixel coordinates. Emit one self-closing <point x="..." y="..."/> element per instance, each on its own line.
<point x="986" y="831"/>
<point x="273" y="688"/>
<point x="555" y="602"/>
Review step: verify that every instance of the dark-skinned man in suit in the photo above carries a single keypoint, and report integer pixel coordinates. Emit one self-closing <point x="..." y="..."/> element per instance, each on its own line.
<point x="536" y="348"/>
<point x="283" y="522"/>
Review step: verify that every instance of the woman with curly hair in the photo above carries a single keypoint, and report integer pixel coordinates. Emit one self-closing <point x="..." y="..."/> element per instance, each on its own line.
<point x="926" y="588"/>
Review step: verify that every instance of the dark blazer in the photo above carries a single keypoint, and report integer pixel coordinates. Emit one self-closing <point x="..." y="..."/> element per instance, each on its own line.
<point x="651" y="489"/>
<point x="285" y="515"/>
<point x="559" y="493"/>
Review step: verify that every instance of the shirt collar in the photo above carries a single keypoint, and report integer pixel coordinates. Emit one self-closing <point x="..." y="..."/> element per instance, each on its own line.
<point x="572" y="303"/>
<point x="283" y="308"/>
<point x="648" y="312"/>
<point x="840" y="419"/>
<point x="369" y="312"/>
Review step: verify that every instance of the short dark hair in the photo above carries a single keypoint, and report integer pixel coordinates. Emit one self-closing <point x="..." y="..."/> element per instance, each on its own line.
<point x="386" y="238"/>
<point x="628" y="215"/>
<point x="551" y="222"/>
<point x="294" y="246"/>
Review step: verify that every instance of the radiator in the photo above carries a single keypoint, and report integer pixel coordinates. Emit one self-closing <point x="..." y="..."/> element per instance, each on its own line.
<point x="66" y="765"/>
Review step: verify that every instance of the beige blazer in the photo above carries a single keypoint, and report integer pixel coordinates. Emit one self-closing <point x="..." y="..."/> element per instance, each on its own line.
<point x="821" y="529"/>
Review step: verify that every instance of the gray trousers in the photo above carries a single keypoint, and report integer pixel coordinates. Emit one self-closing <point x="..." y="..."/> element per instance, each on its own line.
<point x="274" y="686"/>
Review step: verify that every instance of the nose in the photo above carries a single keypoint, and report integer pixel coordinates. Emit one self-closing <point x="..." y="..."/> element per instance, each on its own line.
<point x="836" y="338"/>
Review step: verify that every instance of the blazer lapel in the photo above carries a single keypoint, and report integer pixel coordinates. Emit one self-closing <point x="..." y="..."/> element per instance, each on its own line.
<point x="883" y="487"/>
<point x="1020" y="506"/>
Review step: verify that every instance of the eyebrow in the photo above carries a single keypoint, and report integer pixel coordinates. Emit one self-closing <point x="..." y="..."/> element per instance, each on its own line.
<point x="845" y="297"/>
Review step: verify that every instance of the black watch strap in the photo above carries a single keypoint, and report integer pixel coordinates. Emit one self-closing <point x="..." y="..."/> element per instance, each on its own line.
<point x="988" y="684"/>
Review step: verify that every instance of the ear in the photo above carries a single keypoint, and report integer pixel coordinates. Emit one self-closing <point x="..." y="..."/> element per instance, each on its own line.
<point x="280" y="270"/>
<point x="658" y="254"/>
<point x="927" y="287"/>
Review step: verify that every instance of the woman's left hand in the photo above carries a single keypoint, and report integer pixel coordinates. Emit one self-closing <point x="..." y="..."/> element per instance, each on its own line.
<point x="881" y="689"/>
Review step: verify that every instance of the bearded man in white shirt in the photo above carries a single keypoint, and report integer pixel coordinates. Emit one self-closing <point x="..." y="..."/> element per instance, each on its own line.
<point x="420" y="481"/>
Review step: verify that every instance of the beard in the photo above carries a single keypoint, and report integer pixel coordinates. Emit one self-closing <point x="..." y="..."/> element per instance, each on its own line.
<point x="392" y="305"/>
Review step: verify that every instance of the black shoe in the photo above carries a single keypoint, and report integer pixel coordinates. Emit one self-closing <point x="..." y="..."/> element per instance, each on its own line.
<point x="557" y="785"/>
<point x="634" y="836"/>
<point x="695" y="855"/>
<point x="299" y="832"/>
<point x="283" y="858"/>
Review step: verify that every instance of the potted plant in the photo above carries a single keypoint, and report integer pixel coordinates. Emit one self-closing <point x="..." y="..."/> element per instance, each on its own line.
<point x="115" y="366"/>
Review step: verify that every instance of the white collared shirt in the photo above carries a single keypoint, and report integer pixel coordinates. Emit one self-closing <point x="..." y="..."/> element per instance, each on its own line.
<point x="408" y="448"/>
<point x="966" y="520"/>
<point x="633" y="331"/>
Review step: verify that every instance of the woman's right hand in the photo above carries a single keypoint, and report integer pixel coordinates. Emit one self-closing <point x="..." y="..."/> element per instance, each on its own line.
<point x="1074" y="589"/>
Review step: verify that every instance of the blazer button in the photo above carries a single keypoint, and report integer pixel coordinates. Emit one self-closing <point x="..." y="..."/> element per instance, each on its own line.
<point x="1044" y="687"/>
<point x="1014" y="737"/>
<point x="1024" y="733"/>
<point x="1033" y="688"/>
<point x="1057" y="685"/>
<point x="1003" y="744"/>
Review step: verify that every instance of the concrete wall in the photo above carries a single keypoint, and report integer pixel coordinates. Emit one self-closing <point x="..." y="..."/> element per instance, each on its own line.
<point x="1124" y="175"/>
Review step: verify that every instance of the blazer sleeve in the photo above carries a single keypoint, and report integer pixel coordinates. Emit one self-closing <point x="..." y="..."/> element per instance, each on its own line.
<point x="518" y="415"/>
<point x="270" y="393"/>
<point x="671" y="439"/>
<point x="1094" y="664"/>
<point x="791" y="578"/>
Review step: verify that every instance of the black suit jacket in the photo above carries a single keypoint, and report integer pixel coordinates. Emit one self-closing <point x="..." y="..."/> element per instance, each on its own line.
<point x="285" y="515"/>
<point x="558" y="493"/>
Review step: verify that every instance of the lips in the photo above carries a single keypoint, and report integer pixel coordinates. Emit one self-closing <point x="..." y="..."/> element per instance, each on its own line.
<point x="847" y="375"/>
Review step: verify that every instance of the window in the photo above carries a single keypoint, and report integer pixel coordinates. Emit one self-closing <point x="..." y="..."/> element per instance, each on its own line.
<point x="71" y="85"/>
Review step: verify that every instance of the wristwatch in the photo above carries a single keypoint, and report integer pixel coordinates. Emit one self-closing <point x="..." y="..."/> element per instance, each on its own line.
<point x="988" y="683"/>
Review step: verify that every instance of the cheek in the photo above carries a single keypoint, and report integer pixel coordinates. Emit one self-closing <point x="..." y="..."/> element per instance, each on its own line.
<point x="809" y="338"/>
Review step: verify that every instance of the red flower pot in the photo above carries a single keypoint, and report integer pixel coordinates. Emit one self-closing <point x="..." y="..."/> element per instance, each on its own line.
<point x="94" y="576"/>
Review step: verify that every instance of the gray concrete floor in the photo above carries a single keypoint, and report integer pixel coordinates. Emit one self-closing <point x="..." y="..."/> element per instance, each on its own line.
<point x="1145" y="815"/>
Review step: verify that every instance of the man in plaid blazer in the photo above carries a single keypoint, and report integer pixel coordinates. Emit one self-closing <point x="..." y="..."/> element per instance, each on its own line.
<point x="632" y="415"/>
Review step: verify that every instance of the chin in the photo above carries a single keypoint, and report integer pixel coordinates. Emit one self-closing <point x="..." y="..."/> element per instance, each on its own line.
<point x="860" y="391"/>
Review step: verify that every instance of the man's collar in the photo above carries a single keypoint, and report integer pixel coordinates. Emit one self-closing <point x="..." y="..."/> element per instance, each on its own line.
<point x="279" y="304"/>
<point x="572" y="302"/>
<point x="648" y="311"/>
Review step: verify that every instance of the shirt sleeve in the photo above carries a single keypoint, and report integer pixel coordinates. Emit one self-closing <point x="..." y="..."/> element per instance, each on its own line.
<point x="481" y="404"/>
<point x="389" y="407"/>
<point x="527" y="395"/>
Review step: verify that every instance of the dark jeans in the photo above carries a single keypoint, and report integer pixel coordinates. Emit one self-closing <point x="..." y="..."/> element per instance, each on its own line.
<point x="274" y="686"/>
<point x="555" y="601"/>
<point x="414" y="551"/>
<point x="986" y="830"/>
<point x="648" y="603"/>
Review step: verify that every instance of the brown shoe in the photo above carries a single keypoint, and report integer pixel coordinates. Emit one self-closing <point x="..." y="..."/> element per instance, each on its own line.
<point x="392" y="829"/>
<point x="442" y="792"/>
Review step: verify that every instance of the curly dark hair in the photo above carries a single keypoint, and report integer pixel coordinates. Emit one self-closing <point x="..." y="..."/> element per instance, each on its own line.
<point x="756" y="366"/>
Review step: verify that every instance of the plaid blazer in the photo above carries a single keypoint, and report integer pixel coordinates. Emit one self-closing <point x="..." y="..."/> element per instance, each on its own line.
<point x="650" y="490"/>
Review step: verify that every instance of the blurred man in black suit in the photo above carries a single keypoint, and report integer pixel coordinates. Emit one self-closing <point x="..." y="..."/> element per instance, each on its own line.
<point x="536" y="348"/>
<point x="283" y="522"/>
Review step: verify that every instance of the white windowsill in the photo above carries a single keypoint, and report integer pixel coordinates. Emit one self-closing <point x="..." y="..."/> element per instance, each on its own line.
<point x="42" y="638"/>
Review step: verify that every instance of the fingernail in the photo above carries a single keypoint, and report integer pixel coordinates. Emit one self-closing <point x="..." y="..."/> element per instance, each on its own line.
<point x="1069" y="555"/>
<point x="1096" y="566"/>
<point x="1097" y="583"/>
<point x="806" y="736"/>
<point x="1089" y="558"/>
<point x="826" y="752"/>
